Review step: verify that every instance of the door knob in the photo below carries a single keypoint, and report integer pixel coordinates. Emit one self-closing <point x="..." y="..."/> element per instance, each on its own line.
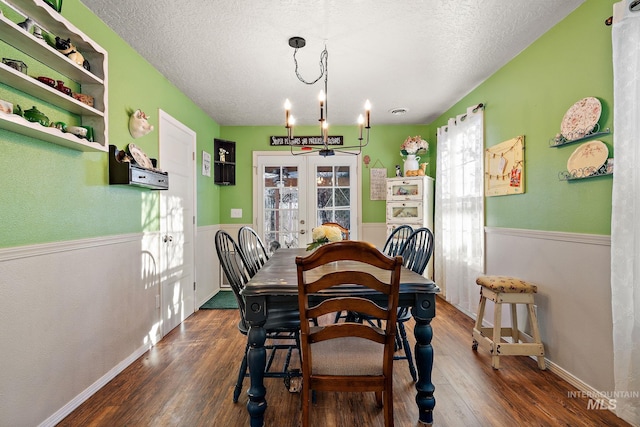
<point x="303" y="231"/>
<point x="168" y="239"/>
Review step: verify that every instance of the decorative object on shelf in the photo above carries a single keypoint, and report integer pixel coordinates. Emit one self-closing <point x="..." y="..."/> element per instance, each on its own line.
<point x="398" y="171"/>
<point x="559" y="140"/>
<point x="410" y="148"/>
<point x="66" y="48"/>
<point x="364" y="122"/>
<point x="6" y="107"/>
<point x="37" y="32"/>
<point x="62" y="88"/>
<point x="504" y="168"/>
<point x="55" y="4"/>
<point x="581" y="119"/>
<point x="27" y="24"/>
<point x="140" y="156"/>
<point x="588" y="158"/>
<point x="124" y="171"/>
<point x="36" y="116"/>
<point x="84" y="98"/>
<point x="222" y="154"/>
<point x="224" y="166"/>
<point x="324" y="234"/>
<point x="90" y="133"/>
<point x="78" y="131"/>
<point x="47" y="80"/>
<point x="421" y="171"/>
<point x="16" y="64"/>
<point x="139" y="124"/>
<point x="62" y="126"/>
<point x="17" y="110"/>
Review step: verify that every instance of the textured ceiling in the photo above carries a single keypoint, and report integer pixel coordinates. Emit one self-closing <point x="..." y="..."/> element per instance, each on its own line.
<point x="232" y="58"/>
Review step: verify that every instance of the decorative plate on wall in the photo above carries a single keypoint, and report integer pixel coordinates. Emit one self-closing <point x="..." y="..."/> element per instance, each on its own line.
<point x="140" y="157"/>
<point x="588" y="158"/>
<point x="581" y="118"/>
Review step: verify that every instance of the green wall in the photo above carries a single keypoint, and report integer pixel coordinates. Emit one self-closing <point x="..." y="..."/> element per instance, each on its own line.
<point x="383" y="148"/>
<point x="51" y="193"/>
<point x="529" y="96"/>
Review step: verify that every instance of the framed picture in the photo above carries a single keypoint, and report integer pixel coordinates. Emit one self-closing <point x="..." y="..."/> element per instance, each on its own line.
<point x="206" y="164"/>
<point x="504" y="168"/>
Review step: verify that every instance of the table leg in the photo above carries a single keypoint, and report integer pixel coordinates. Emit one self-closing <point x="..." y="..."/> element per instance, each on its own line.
<point x="423" y="313"/>
<point x="257" y="360"/>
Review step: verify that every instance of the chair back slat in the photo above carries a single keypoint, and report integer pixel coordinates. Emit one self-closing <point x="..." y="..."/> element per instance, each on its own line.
<point x="417" y="250"/>
<point x="253" y="249"/>
<point x="396" y="239"/>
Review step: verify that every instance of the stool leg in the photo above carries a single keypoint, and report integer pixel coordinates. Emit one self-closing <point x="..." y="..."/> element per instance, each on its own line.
<point x="536" y="334"/>
<point x="479" y="319"/>
<point x="497" y="328"/>
<point x="515" y="334"/>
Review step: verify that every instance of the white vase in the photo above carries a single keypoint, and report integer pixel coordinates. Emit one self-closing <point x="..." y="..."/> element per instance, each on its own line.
<point x="411" y="163"/>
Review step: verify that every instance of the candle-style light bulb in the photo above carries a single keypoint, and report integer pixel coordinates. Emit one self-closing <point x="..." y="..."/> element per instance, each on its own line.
<point x="367" y="109"/>
<point x="322" y="97"/>
<point x="291" y="121"/>
<point x="360" y="125"/>
<point x="287" y="109"/>
<point x="325" y="132"/>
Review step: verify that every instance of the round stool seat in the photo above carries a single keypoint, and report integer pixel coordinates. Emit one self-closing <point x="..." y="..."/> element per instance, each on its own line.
<point x="506" y="284"/>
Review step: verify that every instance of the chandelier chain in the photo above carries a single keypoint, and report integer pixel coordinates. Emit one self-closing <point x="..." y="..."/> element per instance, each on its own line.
<point x="324" y="70"/>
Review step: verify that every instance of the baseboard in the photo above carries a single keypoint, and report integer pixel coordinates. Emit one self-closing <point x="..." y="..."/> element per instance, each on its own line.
<point x="61" y="413"/>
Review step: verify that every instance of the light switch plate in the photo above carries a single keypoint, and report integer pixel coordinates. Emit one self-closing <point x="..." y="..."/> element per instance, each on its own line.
<point x="236" y="213"/>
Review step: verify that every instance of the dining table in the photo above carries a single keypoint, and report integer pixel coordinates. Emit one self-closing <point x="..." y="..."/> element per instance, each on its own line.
<point x="275" y="285"/>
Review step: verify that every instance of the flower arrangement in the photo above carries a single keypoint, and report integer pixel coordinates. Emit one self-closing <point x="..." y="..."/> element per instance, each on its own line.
<point x="414" y="145"/>
<point x="323" y="235"/>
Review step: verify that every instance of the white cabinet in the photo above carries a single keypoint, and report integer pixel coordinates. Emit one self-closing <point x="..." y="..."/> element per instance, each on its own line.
<point x="410" y="201"/>
<point x="92" y="83"/>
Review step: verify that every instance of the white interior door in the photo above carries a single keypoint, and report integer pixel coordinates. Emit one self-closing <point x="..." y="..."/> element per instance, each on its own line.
<point x="294" y="194"/>
<point x="177" y="222"/>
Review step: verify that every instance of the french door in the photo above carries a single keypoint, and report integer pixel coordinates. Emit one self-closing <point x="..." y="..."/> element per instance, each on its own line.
<point x="294" y="194"/>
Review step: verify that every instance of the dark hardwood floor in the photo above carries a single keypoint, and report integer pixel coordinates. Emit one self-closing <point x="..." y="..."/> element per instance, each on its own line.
<point x="187" y="380"/>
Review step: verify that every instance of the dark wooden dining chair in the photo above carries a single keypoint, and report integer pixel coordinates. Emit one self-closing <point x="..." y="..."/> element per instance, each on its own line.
<point x="396" y="240"/>
<point x="416" y="253"/>
<point x="253" y="249"/>
<point x="348" y="356"/>
<point x="282" y="327"/>
<point x="345" y="231"/>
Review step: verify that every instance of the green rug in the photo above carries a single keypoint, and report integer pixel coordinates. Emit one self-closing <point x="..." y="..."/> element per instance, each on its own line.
<point x="221" y="300"/>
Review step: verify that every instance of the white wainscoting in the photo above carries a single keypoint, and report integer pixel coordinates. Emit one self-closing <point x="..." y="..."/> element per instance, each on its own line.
<point x="207" y="264"/>
<point x="72" y="316"/>
<point x="573" y="273"/>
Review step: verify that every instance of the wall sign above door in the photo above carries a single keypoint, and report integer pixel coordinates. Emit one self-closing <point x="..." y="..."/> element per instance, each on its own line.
<point x="275" y="141"/>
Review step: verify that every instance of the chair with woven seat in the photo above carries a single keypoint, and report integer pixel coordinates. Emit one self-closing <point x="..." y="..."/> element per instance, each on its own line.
<point x="513" y="291"/>
<point x="253" y="249"/>
<point x="348" y="356"/>
<point x="282" y="327"/>
<point x="345" y="231"/>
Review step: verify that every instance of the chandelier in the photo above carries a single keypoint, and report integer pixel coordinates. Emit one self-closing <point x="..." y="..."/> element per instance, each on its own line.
<point x="364" y="124"/>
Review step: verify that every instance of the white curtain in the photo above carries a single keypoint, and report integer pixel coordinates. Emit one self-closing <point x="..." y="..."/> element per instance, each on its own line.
<point x="625" y="215"/>
<point x="459" y="217"/>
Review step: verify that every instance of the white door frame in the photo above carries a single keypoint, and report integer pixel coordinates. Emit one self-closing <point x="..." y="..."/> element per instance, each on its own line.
<point x="165" y="117"/>
<point x="258" y="198"/>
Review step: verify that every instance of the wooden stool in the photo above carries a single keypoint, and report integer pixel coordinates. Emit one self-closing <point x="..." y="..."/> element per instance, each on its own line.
<point x="507" y="290"/>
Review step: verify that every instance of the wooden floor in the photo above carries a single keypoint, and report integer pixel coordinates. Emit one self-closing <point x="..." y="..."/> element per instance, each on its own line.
<point x="187" y="380"/>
